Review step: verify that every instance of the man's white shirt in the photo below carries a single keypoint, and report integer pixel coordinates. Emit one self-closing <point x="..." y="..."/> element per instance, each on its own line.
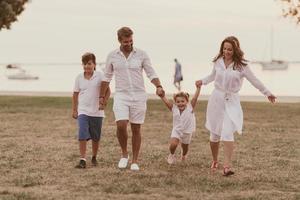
<point x="129" y="81"/>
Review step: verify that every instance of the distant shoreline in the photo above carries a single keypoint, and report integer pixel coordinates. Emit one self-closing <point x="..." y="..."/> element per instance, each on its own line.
<point x="280" y="99"/>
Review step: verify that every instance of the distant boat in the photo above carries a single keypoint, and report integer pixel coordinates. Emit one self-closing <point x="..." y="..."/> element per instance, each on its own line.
<point x="11" y="66"/>
<point x="274" y="64"/>
<point x="22" y="75"/>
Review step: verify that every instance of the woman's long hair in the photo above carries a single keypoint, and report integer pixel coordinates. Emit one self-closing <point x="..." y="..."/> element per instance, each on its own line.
<point x="238" y="54"/>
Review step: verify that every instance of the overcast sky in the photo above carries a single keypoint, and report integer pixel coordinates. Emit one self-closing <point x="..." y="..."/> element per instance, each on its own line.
<point x="191" y="30"/>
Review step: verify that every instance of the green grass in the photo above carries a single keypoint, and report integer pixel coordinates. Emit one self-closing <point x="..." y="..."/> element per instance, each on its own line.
<point x="39" y="149"/>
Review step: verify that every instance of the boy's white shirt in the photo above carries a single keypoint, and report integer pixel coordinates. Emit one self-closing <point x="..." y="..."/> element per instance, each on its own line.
<point x="88" y="98"/>
<point x="184" y="122"/>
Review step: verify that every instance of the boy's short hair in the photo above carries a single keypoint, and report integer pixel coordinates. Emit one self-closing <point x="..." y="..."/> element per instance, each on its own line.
<point x="181" y="94"/>
<point x="87" y="57"/>
<point x="124" y="32"/>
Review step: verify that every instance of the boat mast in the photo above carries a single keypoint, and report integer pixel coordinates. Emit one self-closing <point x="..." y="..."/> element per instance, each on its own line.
<point x="271" y="41"/>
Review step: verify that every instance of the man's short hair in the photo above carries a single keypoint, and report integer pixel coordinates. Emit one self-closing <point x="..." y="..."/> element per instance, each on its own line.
<point x="124" y="32"/>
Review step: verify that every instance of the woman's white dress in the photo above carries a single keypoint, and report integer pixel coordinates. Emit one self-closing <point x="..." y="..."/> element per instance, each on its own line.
<point x="224" y="113"/>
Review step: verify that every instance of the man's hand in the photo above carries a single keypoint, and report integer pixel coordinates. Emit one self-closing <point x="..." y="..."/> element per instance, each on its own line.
<point x="75" y="114"/>
<point x="160" y="91"/>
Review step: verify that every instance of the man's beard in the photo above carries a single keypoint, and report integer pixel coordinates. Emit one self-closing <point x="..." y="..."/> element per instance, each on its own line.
<point x="128" y="48"/>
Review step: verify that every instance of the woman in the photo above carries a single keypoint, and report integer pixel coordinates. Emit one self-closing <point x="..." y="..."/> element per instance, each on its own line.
<point x="224" y="114"/>
<point x="178" y="75"/>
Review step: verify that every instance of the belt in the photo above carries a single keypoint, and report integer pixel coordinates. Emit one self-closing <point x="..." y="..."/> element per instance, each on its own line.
<point x="227" y="93"/>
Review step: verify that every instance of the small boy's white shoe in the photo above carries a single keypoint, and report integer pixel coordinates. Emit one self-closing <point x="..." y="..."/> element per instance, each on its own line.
<point x="171" y="159"/>
<point x="123" y="163"/>
<point x="134" y="167"/>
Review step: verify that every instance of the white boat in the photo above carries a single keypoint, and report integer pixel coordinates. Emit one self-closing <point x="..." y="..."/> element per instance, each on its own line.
<point x="22" y="75"/>
<point x="12" y="66"/>
<point x="275" y="65"/>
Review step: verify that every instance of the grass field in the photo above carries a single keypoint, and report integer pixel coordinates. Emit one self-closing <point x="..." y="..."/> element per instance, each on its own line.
<point x="39" y="149"/>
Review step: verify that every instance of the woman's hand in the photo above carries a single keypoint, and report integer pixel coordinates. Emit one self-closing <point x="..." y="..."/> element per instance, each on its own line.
<point x="198" y="83"/>
<point x="272" y="98"/>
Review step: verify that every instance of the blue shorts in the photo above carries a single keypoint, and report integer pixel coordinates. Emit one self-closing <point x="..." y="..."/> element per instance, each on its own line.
<point x="89" y="127"/>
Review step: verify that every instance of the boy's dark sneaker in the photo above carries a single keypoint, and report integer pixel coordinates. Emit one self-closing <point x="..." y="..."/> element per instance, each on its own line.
<point x="94" y="161"/>
<point x="81" y="165"/>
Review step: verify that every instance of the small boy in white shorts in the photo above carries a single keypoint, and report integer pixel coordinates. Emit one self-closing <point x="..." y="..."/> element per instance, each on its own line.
<point x="86" y="105"/>
<point x="184" y="123"/>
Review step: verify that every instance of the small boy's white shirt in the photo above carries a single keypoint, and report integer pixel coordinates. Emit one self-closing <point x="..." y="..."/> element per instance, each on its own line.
<point x="184" y="122"/>
<point x="88" y="98"/>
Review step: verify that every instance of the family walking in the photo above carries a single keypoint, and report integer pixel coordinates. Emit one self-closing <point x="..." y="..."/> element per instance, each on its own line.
<point x="224" y="114"/>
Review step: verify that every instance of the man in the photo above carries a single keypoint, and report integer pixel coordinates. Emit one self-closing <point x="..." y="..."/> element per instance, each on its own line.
<point x="177" y="75"/>
<point x="127" y="64"/>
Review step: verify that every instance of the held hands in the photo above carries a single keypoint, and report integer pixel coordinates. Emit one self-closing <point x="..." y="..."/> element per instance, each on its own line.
<point x="75" y="114"/>
<point x="160" y="91"/>
<point x="198" y="83"/>
<point x="102" y="103"/>
<point x="272" y="98"/>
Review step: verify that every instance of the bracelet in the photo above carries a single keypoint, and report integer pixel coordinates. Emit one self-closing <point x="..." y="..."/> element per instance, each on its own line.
<point x="159" y="86"/>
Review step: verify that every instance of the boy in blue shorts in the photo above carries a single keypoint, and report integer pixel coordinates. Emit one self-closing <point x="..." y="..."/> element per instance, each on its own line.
<point x="86" y="106"/>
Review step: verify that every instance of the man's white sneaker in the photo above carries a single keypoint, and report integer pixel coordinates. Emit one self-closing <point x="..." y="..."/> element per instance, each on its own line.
<point x="134" y="167"/>
<point x="171" y="159"/>
<point x="123" y="163"/>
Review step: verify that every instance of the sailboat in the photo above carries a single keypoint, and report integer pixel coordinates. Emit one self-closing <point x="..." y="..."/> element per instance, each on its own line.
<point x="21" y="74"/>
<point x="274" y="64"/>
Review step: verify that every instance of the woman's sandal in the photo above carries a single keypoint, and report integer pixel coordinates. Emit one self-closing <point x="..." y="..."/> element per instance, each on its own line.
<point x="227" y="171"/>
<point x="214" y="165"/>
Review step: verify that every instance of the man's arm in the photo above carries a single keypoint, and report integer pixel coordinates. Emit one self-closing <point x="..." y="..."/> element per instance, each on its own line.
<point x="156" y="82"/>
<point x="159" y="89"/>
<point x="104" y="94"/>
<point x="75" y="105"/>
<point x="107" y="95"/>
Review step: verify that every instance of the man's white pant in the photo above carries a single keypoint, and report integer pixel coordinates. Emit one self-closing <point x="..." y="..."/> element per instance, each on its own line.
<point x="132" y="110"/>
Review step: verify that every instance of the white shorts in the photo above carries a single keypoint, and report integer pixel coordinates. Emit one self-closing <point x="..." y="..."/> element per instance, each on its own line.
<point x="184" y="138"/>
<point x="134" y="111"/>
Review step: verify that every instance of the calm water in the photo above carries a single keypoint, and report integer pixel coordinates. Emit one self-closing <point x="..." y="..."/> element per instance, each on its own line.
<point x="60" y="78"/>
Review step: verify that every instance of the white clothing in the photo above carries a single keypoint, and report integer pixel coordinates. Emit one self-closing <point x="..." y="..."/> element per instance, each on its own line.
<point x="225" y="98"/>
<point x="218" y="138"/>
<point x="134" y="111"/>
<point x="184" y="122"/>
<point x="227" y="133"/>
<point x="129" y="73"/>
<point x="88" y="98"/>
<point x="214" y="138"/>
<point x="184" y="138"/>
<point x="130" y="95"/>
